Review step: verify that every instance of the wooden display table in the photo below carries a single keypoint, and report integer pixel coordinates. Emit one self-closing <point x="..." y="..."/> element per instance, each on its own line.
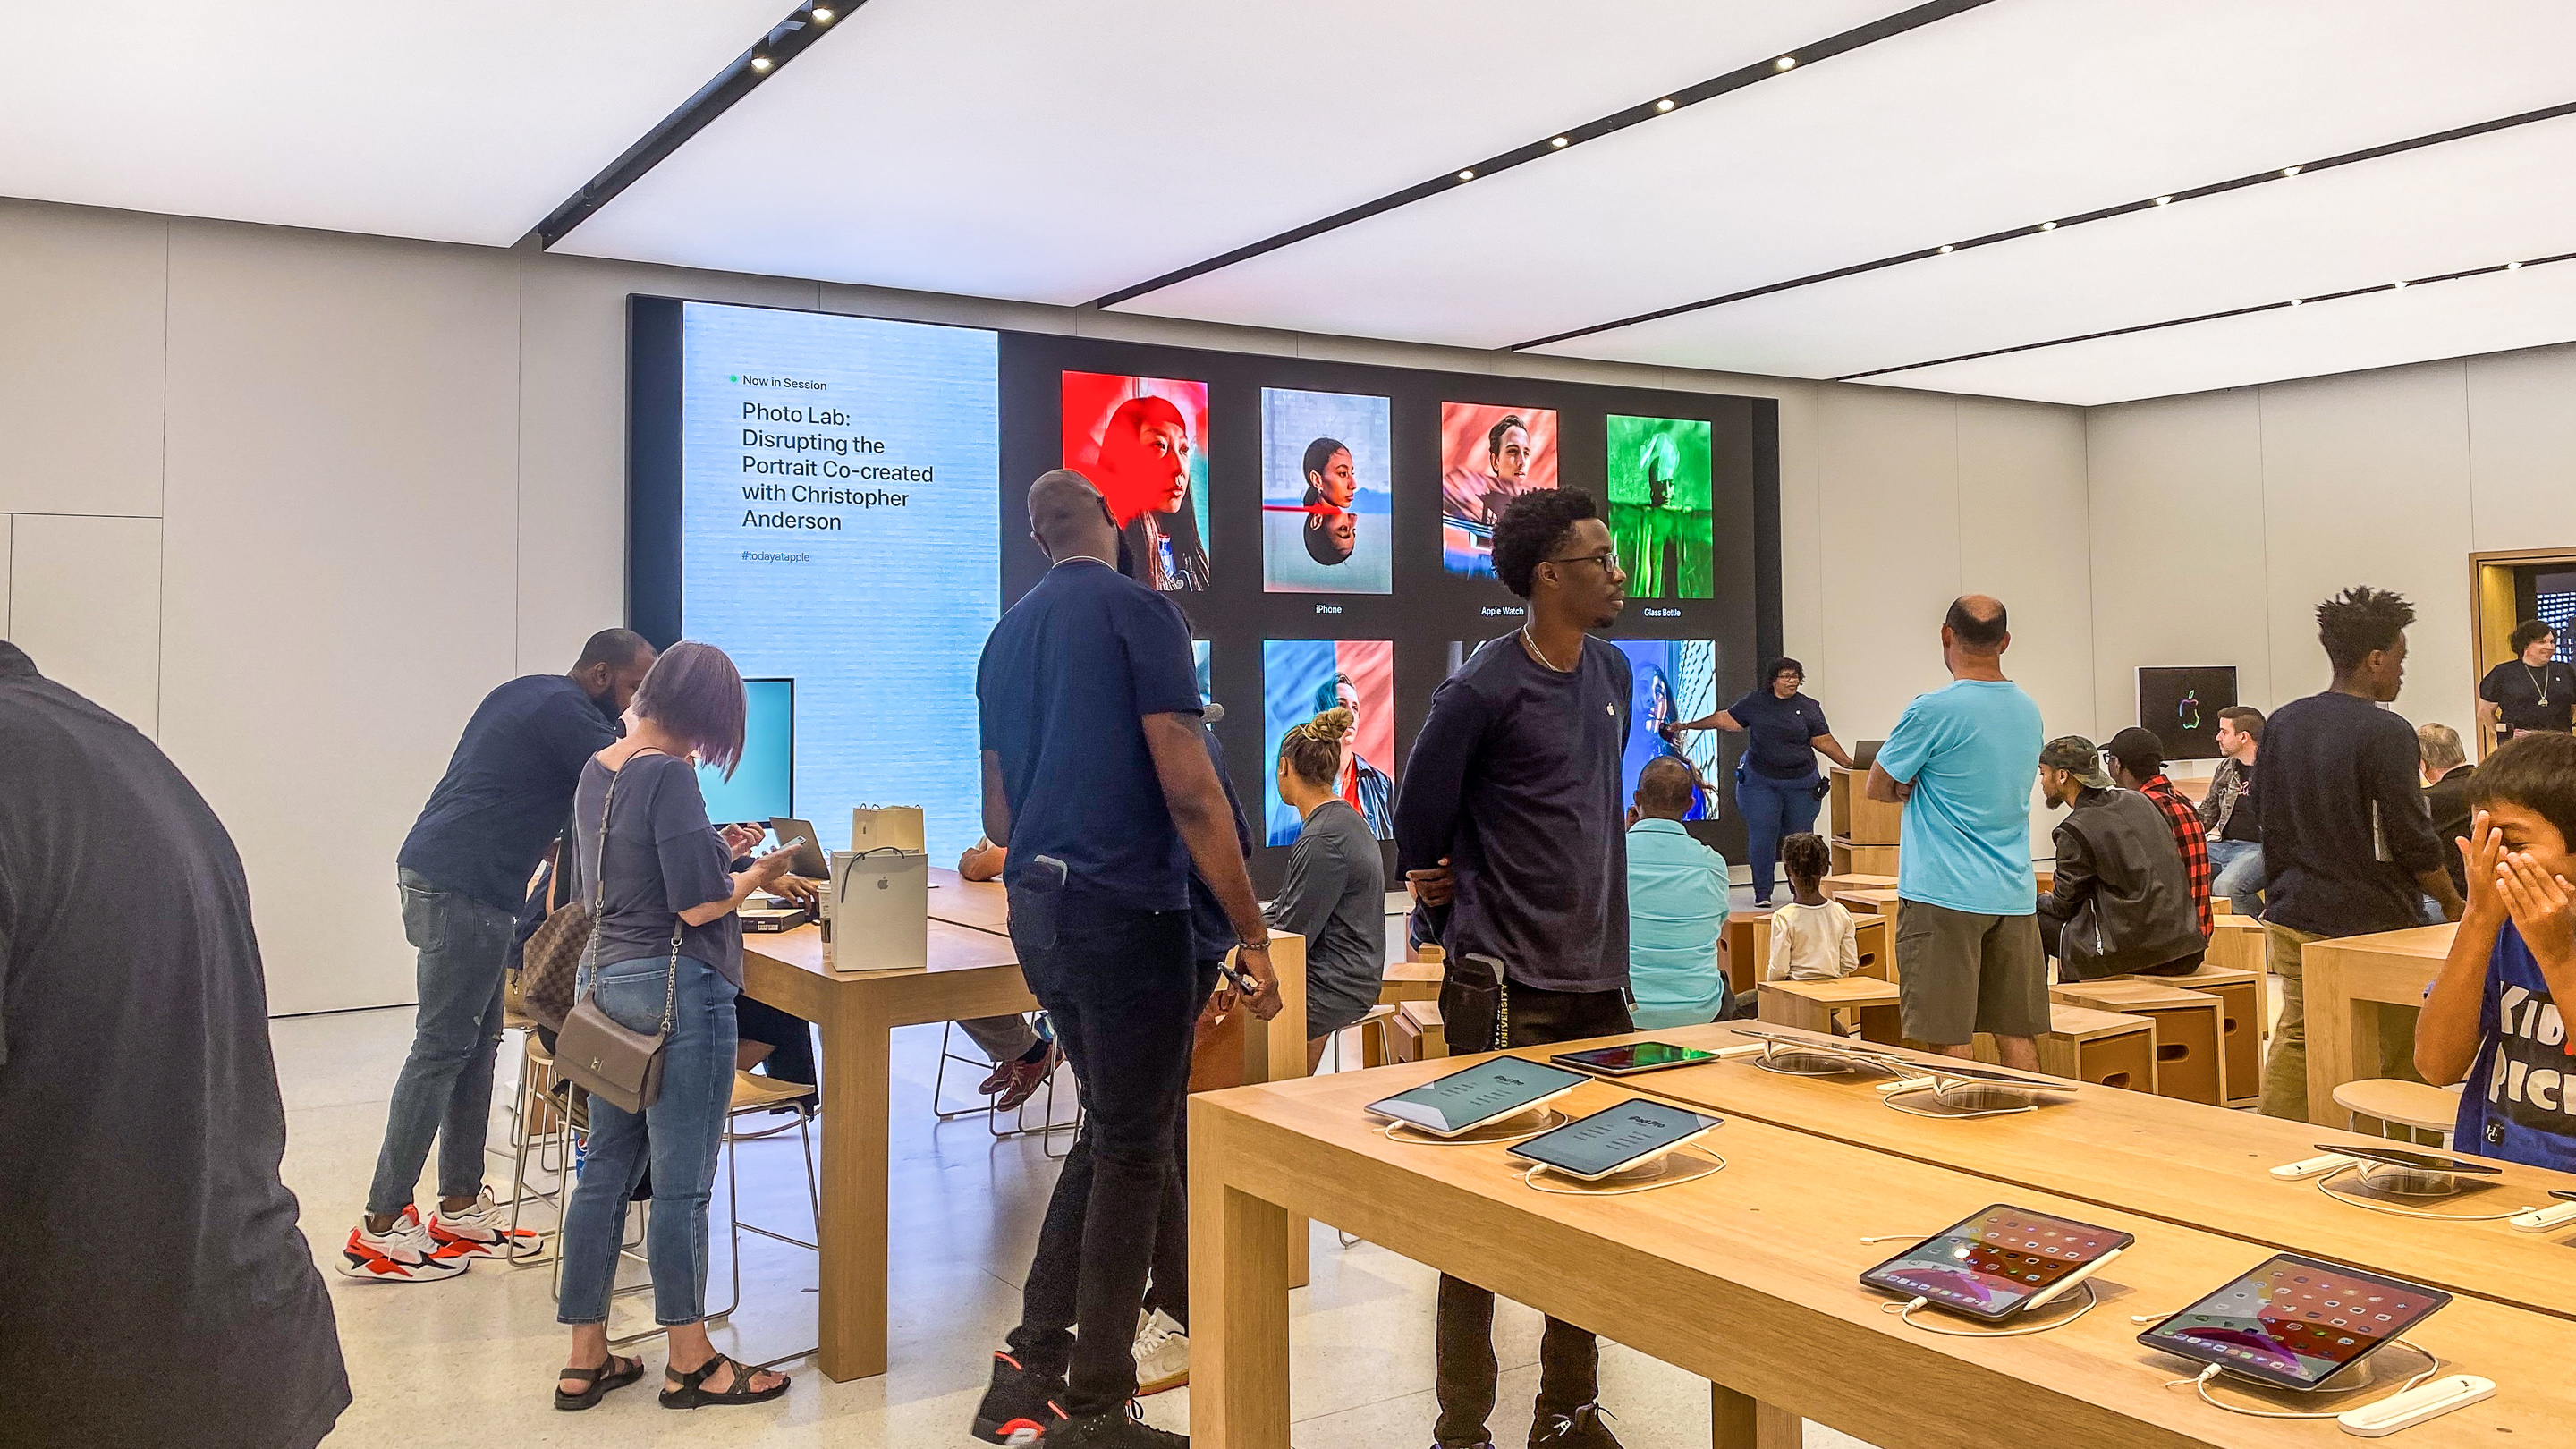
<point x="983" y="905"/>
<point x="972" y="972"/>
<point x="2350" y="982"/>
<point x="2188" y="1028"/>
<point x="2241" y="1034"/>
<point x="1852" y="816"/>
<point x="1746" y="1277"/>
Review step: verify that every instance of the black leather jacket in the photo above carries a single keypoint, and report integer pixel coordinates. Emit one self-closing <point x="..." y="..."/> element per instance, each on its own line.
<point x="2120" y="888"/>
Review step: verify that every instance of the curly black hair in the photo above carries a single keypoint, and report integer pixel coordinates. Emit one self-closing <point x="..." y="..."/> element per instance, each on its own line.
<point x="1532" y="527"/>
<point x="2536" y="772"/>
<point x="2359" y="620"/>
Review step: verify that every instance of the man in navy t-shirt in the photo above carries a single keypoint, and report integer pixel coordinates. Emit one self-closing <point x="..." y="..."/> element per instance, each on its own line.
<point x="1097" y="779"/>
<point x="2492" y="1018"/>
<point x="463" y="874"/>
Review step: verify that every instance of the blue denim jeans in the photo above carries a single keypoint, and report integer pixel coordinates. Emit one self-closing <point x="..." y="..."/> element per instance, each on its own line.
<point x="678" y="1135"/>
<point x="2237" y="867"/>
<point x="445" y="1090"/>
<point x="1772" y="810"/>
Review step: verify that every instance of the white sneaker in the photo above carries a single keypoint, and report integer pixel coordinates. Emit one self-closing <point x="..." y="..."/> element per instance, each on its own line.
<point x="402" y="1253"/>
<point x="481" y="1231"/>
<point x="1162" y="1353"/>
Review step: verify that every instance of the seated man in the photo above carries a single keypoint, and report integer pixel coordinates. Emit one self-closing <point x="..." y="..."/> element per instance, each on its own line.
<point x="2138" y="763"/>
<point x="2121" y="905"/>
<point x="2446" y="793"/>
<point x="2227" y="813"/>
<point x="1676" y="905"/>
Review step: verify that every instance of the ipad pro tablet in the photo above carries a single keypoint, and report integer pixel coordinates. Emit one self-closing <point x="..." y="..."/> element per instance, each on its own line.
<point x="1629" y="1060"/>
<point x="2295" y="1322"/>
<point x="1997" y="1262"/>
<point x="1464" y="1101"/>
<point x="2418" y="1161"/>
<point x="1616" y="1139"/>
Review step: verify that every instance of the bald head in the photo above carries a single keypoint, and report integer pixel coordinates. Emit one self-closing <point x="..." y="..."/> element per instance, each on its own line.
<point x="1664" y="788"/>
<point x="1069" y="520"/>
<point x="1977" y="622"/>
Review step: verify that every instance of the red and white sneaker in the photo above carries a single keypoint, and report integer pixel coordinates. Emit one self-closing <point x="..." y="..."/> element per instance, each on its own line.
<point x="481" y="1231"/>
<point x="402" y="1253"/>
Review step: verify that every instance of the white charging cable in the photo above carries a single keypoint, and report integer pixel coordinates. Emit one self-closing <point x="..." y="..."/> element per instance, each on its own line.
<point x="1905" y="1312"/>
<point x="2393" y="1210"/>
<point x="2200" y="1385"/>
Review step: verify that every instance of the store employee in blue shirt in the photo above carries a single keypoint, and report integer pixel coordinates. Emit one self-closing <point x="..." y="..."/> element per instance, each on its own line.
<point x="1776" y="784"/>
<point x="2492" y="1019"/>
<point x="1963" y="760"/>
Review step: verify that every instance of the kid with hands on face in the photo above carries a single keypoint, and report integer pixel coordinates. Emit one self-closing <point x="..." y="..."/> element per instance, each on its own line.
<point x="2492" y="1017"/>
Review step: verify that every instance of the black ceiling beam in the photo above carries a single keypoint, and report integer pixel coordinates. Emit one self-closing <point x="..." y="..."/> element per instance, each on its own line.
<point x="786" y="40"/>
<point x="2280" y="306"/>
<point x="1735" y="80"/>
<point x="2177" y="198"/>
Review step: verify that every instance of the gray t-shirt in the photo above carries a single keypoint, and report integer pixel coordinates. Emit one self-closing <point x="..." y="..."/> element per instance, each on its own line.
<point x="1335" y="897"/>
<point x="664" y="856"/>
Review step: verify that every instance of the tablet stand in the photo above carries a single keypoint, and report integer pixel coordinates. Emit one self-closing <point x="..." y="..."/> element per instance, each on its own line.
<point x="1526" y="1123"/>
<point x="1791" y="1062"/>
<point x="1686" y="1164"/>
<point x="2407" y="1181"/>
<point x="1964" y="1099"/>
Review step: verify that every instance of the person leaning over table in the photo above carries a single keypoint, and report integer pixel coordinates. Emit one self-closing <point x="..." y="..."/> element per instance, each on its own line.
<point x="1335" y="891"/>
<point x="666" y="948"/>
<point x="2533" y="692"/>
<point x="1776" y="786"/>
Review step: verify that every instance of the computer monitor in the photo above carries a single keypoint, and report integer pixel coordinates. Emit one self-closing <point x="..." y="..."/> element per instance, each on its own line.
<point x="2181" y="704"/>
<point x="764" y="783"/>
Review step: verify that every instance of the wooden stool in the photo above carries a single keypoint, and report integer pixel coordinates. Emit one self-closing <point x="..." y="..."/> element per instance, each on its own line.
<point x="1417" y="1033"/>
<point x="1745" y="950"/>
<point x="2187" y="1030"/>
<point x="1411" y="981"/>
<point x="2236" y="944"/>
<point x="1851" y="815"/>
<point x="1377" y="1037"/>
<point x="2106" y="1048"/>
<point x="2401" y="1104"/>
<point x="1860" y="857"/>
<point x="2240" y="1013"/>
<point x="1810" y="1005"/>
<point x="1874" y="937"/>
<point x="1835" y="885"/>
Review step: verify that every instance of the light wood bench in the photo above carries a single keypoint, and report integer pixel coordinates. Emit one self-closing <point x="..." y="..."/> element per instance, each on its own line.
<point x="1417" y="1032"/>
<point x="1811" y="1005"/>
<point x="1411" y="981"/>
<point x="2106" y="1048"/>
<point x="2187" y="1030"/>
<point x="2240" y="1041"/>
<point x="2236" y="944"/>
<point x="1854" y="817"/>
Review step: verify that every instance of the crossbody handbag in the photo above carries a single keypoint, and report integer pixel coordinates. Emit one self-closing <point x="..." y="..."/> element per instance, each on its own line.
<point x="612" y="1062"/>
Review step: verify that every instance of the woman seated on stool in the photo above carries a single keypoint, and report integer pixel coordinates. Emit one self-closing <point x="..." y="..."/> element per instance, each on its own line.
<point x="1335" y="894"/>
<point x="666" y="954"/>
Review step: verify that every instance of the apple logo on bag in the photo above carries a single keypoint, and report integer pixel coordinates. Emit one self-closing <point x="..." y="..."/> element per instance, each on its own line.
<point x="883" y="883"/>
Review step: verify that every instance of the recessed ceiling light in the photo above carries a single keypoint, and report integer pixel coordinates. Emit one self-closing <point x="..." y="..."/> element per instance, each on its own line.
<point x="1784" y="62"/>
<point x="1558" y="142"/>
<point x="2513" y="266"/>
<point x="760" y="62"/>
<point x="2048" y="226"/>
<point x="2291" y="170"/>
<point x="2164" y="201"/>
<point x="1466" y="175"/>
<point x="2297" y="301"/>
<point x="822" y="16"/>
<point x="1945" y="249"/>
<point x="2397" y="286"/>
<point x="1665" y="104"/>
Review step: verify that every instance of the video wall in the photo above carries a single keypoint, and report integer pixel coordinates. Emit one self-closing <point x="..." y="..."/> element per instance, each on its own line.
<point x="839" y="502"/>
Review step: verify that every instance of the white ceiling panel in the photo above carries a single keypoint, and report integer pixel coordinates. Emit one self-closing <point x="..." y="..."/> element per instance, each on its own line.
<point x="467" y="120"/>
<point x="2493" y="313"/>
<point x="1058" y="150"/>
<point x="2004" y="116"/>
<point x="2448" y="208"/>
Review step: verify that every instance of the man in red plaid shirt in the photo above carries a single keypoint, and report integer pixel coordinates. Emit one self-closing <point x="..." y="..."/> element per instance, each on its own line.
<point x="2138" y="763"/>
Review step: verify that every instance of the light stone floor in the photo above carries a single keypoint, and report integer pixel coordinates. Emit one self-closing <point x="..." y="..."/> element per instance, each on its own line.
<point x="471" y="1361"/>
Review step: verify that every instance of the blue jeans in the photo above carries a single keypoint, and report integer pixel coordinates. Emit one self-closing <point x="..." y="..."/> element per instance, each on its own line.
<point x="445" y="1090"/>
<point x="1772" y="809"/>
<point x="2237" y="867"/>
<point x="678" y="1135"/>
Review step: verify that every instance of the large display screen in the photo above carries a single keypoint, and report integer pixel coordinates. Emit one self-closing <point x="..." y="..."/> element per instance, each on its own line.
<point x="840" y="502"/>
<point x="2181" y="704"/>
<point x="763" y="782"/>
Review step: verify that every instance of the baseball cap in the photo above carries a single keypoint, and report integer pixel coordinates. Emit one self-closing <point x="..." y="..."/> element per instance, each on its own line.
<point x="2076" y="755"/>
<point x="2139" y="750"/>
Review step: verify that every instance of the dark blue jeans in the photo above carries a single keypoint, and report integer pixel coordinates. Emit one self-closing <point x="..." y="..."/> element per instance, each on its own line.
<point x="445" y="1090"/>
<point x="1772" y="809"/>
<point x="677" y="1135"/>
<point x="1125" y="998"/>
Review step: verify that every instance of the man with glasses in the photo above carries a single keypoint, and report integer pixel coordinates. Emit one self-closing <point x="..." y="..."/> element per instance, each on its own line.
<point x="1509" y="826"/>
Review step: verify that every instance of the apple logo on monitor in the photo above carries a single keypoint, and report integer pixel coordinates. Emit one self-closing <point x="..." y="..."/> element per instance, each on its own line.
<point x="2188" y="711"/>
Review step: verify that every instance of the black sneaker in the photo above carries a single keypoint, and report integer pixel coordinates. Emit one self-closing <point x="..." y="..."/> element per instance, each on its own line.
<point x="1118" y="1429"/>
<point x="1021" y="1406"/>
<point x="1581" y="1429"/>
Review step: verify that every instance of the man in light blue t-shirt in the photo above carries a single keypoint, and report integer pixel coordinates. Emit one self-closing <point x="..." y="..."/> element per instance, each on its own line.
<point x="1962" y="760"/>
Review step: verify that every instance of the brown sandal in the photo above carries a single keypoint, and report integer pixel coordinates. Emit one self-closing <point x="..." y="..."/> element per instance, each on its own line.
<point x="616" y="1373"/>
<point x="692" y="1393"/>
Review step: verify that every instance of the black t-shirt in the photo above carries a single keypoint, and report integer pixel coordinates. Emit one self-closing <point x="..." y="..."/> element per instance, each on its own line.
<point x="507" y="788"/>
<point x="664" y="857"/>
<point x="1780" y="730"/>
<point x="2245" y="822"/>
<point x="2531" y="699"/>
<point x="2344" y="829"/>
<point x="1066" y="680"/>
<point x="154" y="1288"/>
<point x="1515" y="779"/>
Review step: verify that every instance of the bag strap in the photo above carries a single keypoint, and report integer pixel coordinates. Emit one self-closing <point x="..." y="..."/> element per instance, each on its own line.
<point x="599" y="893"/>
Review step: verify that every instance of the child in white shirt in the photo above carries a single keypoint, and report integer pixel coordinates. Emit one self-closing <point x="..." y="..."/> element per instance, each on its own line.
<point x="1812" y="938"/>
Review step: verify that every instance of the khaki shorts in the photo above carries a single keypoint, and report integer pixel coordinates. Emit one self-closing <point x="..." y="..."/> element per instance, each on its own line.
<point x="1960" y="973"/>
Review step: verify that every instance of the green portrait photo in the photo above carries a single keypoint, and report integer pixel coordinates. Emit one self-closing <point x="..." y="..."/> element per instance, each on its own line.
<point x="1659" y="506"/>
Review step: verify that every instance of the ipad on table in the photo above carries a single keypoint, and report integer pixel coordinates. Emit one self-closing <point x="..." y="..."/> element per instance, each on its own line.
<point x="1616" y="1139"/>
<point x="1463" y="1101"/>
<point x="2295" y="1321"/>
<point x="2417" y="1161"/>
<point x="1635" y="1057"/>
<point x="1998" y="1261"/>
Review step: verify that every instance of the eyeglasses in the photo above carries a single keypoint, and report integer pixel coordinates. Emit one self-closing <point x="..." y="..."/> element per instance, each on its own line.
<point x="1609" y="561"/>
